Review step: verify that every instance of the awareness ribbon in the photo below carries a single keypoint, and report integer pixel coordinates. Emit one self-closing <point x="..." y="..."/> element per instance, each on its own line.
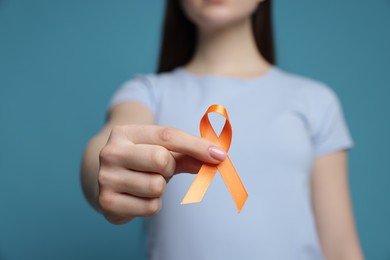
<point x="207" y="171"/>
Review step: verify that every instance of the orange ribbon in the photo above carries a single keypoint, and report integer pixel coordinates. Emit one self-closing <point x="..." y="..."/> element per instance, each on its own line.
<point x="226" y="168"/>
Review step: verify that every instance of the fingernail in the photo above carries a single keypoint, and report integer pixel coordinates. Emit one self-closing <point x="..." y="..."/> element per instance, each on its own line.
<point x="217" y="153"/>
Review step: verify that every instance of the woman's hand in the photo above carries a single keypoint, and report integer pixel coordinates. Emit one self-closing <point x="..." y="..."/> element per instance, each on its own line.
<point x="137" y="162"/>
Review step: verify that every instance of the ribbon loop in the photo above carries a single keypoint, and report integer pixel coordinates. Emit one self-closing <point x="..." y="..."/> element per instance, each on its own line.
<point x="207" y="171"/>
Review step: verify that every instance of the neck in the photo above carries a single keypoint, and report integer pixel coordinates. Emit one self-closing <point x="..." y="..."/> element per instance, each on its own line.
<point x="228" y="51"/>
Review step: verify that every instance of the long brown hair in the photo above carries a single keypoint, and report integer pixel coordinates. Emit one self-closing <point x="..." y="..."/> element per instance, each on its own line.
<point x="179" y="35"/>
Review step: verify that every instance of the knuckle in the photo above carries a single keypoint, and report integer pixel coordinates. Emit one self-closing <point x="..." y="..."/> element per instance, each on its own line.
<point x="118" y="129"/>
<point x="103" y="178"/>
<point x="201" y="144"/>
<point x="106" y="202"/>
<point x="110" y="154"/>
<point x="109" y="208"/>
<point x="161" y="159"/>
<point x="157" y="185"/>
<point x="152" y="207"/>
<point x="166" y="134"/>
<point x="107" y="178"/>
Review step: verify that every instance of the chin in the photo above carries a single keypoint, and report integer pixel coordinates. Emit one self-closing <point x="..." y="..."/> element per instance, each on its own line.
<point x="215" y="19"/>
<point x="214" y="1"/>
<point x="208" y="14"/>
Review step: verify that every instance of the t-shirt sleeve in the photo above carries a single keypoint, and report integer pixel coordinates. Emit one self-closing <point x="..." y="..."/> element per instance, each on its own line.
<point x="138" y="89"/>
<point x="330" y="132"/>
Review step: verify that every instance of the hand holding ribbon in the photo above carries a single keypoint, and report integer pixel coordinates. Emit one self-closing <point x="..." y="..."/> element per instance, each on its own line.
<point x="226" y="168"/>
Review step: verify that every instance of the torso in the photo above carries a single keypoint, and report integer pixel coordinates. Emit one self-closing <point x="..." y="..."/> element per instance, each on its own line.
<point x="272" y="152"/>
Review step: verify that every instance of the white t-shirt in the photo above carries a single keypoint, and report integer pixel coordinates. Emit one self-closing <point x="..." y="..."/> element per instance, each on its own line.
<point x="280" y="123"/>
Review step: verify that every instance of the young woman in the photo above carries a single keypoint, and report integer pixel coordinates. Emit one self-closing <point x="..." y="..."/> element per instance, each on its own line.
<point x="289" y="146"/>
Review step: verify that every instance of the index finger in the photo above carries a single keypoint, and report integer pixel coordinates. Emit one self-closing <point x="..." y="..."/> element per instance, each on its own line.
<point x="176" y="140"/>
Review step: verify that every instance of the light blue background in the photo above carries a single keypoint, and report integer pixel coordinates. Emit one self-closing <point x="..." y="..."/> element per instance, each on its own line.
<point x="60" y="62"/>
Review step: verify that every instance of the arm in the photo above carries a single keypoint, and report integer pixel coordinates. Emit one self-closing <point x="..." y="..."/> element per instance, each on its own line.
<point x="332" y="208"/>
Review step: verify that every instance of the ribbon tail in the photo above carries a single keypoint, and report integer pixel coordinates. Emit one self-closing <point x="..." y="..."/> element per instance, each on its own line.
<point x="200" y="184"/>
<point x="233" y="183"/>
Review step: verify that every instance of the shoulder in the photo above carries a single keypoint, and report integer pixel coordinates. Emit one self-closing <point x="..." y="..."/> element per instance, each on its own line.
<point x="143" y="88"/>
<point x="152" y="79"/>
<point x="311" y="90"/>
<point x="313" y="100"/>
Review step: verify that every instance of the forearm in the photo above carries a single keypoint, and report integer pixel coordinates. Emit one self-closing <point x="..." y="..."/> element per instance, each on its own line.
<point x="352" y="252"/>
<point x="333" y="208"/>
<point x="342" y="244"/>
<point x="345" y="250"/>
